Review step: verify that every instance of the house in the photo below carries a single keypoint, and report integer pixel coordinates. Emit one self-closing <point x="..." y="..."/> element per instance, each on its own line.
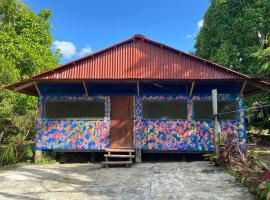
<point x="138" y="94"/>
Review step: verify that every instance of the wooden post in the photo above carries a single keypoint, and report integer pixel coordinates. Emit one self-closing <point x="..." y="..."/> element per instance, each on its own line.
<point x="138" y="88"/>
<point x="216" y="132"/>
<point x="37" y="88"/>
<point x="191" y="89"/>
<point x="85" y="89"/>
<point x="38" y="155"/>
<point x="138" y="156"/>
<point x="243" y="88"/>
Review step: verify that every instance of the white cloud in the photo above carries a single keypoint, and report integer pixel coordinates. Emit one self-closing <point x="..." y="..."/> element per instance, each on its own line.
<point x="84" y="51"/>
<point x="190" y="36"/>
<point x="200" y="24"/>
<point x="68" y="49"/>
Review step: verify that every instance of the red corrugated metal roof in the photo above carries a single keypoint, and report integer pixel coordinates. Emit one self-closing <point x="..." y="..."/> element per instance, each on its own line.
<point x="140" y="58"/>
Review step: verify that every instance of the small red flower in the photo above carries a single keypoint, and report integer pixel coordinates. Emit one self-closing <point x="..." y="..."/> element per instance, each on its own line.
<point x="267" y="176"/>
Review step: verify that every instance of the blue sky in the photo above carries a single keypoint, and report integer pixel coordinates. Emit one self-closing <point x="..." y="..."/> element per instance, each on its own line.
<point x="81" y="26"/>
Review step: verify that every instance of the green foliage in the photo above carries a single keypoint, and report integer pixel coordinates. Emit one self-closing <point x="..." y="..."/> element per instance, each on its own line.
<point x="28" y="152"/>
<point x="25" y="50"/>
<point x="211" y="157"/>
<point x="236" y="34"/>
<point x="25" y="38"/>
<point x="48" y="157"/>
<point x="11" y="153"/>
<point x="17" y="150"/>
<point x="265" y="193"/>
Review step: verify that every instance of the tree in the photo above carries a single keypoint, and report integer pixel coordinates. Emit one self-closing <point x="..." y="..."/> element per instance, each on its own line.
<point x="236" y="34"/>
<point x="25" y="50"/>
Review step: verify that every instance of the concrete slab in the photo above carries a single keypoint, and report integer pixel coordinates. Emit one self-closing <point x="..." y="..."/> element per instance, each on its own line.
<point x="171" y="180"/>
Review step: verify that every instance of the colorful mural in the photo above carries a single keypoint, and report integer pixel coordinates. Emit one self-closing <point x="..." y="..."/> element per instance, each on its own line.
<point x="73" y="134"/>
<point x="184" y="135"/>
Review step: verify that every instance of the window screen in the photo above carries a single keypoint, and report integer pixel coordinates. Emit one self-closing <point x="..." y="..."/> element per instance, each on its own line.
<point x="228" y="108"/>
<point x="74" y="109"/>
<point x="164" y="109"/>
<point x="203" y="110"/>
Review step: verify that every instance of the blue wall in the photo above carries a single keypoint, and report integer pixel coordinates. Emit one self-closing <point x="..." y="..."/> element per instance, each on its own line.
<point x="184" y="135"/>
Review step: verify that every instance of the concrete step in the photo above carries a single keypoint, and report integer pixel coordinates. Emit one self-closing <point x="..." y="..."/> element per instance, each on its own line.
<point x="116" y="162"/>
<point x="120" y="150"/>
<point x="118" y="156"/>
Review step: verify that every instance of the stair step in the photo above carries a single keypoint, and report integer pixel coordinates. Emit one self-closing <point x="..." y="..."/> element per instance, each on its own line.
<point x="119" y="156"/>
<point x="120" y="150"/>
<point x="116" y="162"/>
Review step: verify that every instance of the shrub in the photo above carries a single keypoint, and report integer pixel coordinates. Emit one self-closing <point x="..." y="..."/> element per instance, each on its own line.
<point x="247" y="169"/>
<point x="17" y="150"/>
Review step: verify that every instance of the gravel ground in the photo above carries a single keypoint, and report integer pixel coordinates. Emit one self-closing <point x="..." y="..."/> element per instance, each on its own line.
<point x="170" y="180"/>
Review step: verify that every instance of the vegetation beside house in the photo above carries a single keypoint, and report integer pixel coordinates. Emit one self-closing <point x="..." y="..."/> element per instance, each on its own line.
<point x="25" y="50"/>
<point x="237" y="34"/>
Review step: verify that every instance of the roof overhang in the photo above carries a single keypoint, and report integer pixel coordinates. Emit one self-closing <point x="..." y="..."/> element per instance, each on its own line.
<point x="30" y="87"/>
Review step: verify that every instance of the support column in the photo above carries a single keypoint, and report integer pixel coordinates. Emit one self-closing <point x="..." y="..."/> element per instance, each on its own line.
<point x="138" y="156"/>
<point x="216" y="129"/>
<point x="38" y="155"/>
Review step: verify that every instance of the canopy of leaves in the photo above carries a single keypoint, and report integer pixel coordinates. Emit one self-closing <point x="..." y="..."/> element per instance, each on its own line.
<point x="25" y="50"/>
<point x="236" y="35"/>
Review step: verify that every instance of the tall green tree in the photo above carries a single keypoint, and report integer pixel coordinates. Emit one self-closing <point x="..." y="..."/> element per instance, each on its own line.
<point x="236" y="35"/>
<point x="25" y="50"/>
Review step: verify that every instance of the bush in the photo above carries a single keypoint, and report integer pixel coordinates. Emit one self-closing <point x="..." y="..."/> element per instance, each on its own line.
<point x="17" y="150"/>
<point x="265" y="193"/>
<point x="251" y="172"/>
<point x="48" y="157"/>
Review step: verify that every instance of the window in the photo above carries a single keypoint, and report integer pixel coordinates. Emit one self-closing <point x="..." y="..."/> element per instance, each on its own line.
<point x="203" y="110"/>
<point x="74" y="109"/>
<point x="164" y="109"/>
<point x="228" y="108"/>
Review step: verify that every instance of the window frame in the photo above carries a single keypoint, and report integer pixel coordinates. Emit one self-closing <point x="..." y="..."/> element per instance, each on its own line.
<point x="185" y="114"/>
<point x="73" y="118"/>
<point x="236" y="110"/>
<point x="196" y="119"/>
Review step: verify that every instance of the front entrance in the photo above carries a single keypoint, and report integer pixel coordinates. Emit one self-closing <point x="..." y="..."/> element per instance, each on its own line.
<point x="122" y="122"/>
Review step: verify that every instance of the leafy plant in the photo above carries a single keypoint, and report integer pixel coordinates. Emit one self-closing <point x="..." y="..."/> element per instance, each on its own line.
<point x="245" y="167"/>
<point x="25" y="50"/>
<point x="265" y="193"/>
<point x="48" y="157"/>
<point x="12" y="152"/>
<point x="211" y="157"/>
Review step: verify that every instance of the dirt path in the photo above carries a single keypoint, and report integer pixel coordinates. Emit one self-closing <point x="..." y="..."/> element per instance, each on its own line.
<point x="182" y="180"/>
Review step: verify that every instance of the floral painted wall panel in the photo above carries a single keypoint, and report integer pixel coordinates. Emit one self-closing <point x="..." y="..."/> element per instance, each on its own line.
<point x="73" y="134"/>
<point x="184" y="135"/>
<point x="175" y="135"/>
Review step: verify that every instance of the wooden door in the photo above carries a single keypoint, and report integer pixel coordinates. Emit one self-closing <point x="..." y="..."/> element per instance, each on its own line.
<point x="121" y="135"/>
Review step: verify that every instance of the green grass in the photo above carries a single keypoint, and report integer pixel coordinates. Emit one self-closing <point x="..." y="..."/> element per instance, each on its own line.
<point x="46" y="161"/>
